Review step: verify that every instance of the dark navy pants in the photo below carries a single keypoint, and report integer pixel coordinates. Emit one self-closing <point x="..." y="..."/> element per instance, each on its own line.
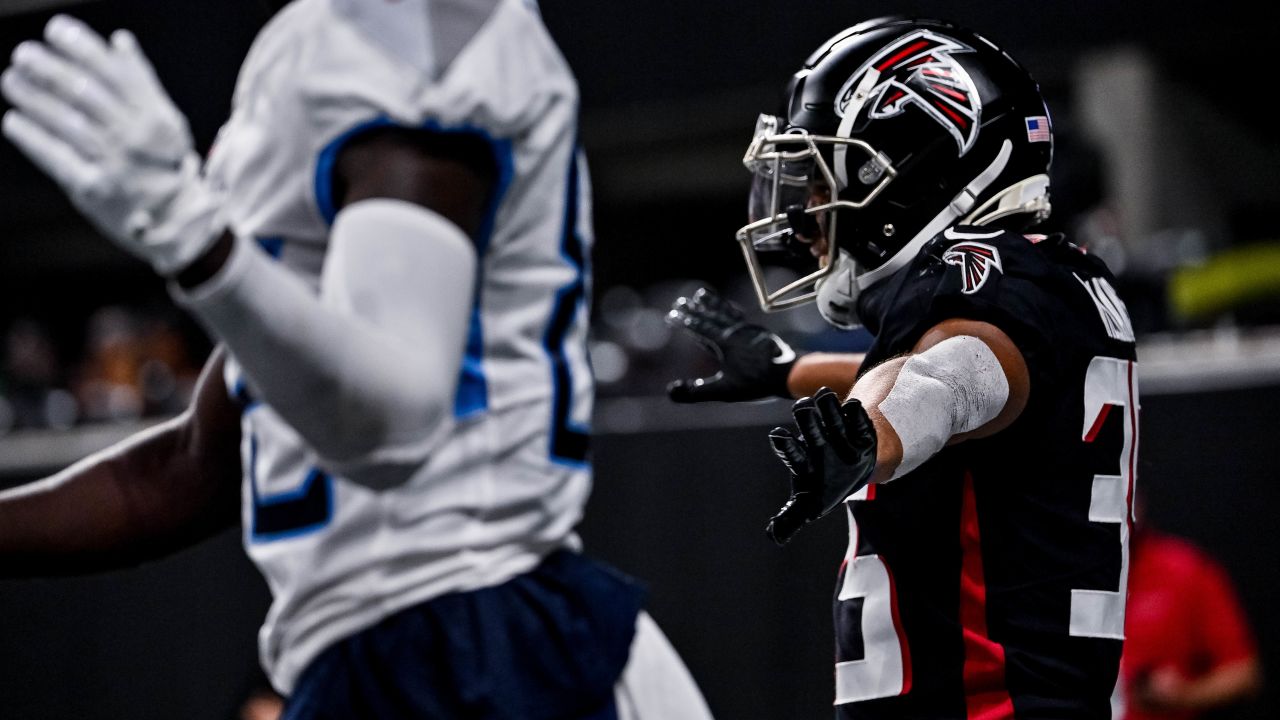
<point x="546" y="645"/>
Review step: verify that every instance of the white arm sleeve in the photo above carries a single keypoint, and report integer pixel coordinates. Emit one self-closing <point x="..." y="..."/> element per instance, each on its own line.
<point x="953" y="387"/>
<point x="369" y="367"/>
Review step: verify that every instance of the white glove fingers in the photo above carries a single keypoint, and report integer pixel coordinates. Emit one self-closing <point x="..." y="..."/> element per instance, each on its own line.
<point x="133" y="65"/>
<point x="68" y="81"/>
<point x="166" y="136"/>
<point x="55" y="116"/>
<point x="56" y="158"/>
<point x="92" y="115"/>
<point x="79" y="43"/>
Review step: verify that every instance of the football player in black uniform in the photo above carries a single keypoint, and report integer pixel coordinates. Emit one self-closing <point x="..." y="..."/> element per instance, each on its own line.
<point x="985" y="454"/>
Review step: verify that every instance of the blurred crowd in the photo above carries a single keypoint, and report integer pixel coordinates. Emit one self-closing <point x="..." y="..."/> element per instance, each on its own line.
<point x="635" y="352"/>
<point x="128" y="363"/>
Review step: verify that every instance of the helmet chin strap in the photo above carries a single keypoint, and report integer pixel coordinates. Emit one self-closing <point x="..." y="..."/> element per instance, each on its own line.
<point x="837" y="294"/>
<point x="962" y="203"/>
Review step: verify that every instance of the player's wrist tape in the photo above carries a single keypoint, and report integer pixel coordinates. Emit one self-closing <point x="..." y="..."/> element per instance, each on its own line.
<point x="953" y="387"/>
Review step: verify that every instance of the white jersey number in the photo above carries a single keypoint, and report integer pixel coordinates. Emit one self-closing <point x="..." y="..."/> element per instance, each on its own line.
<point x="303" y="510"/>
<point x="569" y="442"/>
<point x="1109" y="386"/>
<point x="885" y="664"/>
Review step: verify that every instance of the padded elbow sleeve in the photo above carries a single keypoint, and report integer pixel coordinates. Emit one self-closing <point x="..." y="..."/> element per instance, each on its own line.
<point x="365" y="372"/>
<point x="408" y="273"/>
<point x="953" y="387"/>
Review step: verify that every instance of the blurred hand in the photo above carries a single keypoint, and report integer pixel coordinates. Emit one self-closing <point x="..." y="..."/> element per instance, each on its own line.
<point x="94" y="117"/>
<point x="1160" y="690"/>
<point x="754" y="362"/>
<point x="831" y="459"/>
<point x="1166" y="690"/>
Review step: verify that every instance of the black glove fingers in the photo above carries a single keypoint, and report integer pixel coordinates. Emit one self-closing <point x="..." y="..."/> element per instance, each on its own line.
<point x="858" y="427"/>
<point x="788" y="521"/>
<point x="694" y="317"/>
<point x="680" y="313"/>
<point x="809" y="423"/>
<point x="829" y="410"/>
<point x="711" y="303"/>
<point x="707" y="336"/>
<point x="715" y="322"/>
<point x="828" y="405"/>
<point x="790" y="450"/>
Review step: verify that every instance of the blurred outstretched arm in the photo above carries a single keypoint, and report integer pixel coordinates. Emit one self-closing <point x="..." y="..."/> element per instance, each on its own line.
<point x="755" y="362"/>
<point x="153" y="494"/>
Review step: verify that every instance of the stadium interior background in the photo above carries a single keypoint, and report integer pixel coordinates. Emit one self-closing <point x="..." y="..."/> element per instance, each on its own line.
<point x="1166" y="165"/>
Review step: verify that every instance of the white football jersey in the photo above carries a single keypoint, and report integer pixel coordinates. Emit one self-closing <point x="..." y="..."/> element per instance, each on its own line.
<point x="509" y="480"/>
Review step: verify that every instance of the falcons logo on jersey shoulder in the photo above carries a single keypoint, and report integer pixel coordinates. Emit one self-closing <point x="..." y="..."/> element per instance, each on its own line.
<point x="975" y="260"/>
<point x="917" y="69"/>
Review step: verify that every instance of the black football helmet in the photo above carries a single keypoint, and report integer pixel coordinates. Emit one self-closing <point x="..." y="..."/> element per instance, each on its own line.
<point x="894" y="130"/>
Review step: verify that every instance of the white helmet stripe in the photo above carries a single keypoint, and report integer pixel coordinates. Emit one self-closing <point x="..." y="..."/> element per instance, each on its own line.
<point x="860" y="97"/>
<point x="959" y="205"/>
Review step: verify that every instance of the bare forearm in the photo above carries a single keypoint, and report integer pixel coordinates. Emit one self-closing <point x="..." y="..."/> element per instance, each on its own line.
<point x="1225" y="685"/>
<point x="871" y="389"/>
<point x="818" y="370"/>
<point x="126" y="505"/>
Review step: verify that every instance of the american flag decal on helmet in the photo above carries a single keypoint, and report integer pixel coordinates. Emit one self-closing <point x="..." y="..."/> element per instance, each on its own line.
<point x="975" y="261"/>
<point x="918" y="69"/>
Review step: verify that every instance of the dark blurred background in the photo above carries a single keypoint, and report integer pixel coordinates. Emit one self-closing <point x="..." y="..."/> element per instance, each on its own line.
<point x="1165" y="165"/>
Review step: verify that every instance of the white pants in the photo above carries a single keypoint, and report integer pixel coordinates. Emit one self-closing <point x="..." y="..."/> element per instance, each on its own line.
<point x="655" y="685"/>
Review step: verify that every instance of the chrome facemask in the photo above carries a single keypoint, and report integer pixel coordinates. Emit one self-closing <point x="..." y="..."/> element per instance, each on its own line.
<point x="787" y="168"/>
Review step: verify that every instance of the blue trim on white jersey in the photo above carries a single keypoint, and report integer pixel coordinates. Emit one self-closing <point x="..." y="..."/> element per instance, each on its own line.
<point x="472" y="394"/>
<point x="273" y="246"/>
<point x="241" y="396"/>
<point x="293" y="513"/>
<point x="569" y="441"/>
<point x="305" y="509"/>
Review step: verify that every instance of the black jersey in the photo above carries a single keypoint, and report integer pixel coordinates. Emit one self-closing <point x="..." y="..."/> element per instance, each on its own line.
<point x="990" y="581"/>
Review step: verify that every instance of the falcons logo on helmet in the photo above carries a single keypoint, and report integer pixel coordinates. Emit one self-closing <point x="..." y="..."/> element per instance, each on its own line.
<point x="917" y="69"/>
<point x="975" y="261"/>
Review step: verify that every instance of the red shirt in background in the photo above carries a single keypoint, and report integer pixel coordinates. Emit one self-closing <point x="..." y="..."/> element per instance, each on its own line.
<point x="1183" y="613"/>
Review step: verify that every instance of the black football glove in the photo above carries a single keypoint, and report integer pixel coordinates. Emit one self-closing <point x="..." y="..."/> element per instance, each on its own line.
<point x="831" y="459"/>
<point x="754" y="361"/>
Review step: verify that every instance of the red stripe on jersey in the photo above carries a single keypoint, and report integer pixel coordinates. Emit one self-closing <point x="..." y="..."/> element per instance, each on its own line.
<point x="915" y="47"/>
<point x="1097" y="423"/>
<point x="985" y="694"/>
<point x="897" y="627"/>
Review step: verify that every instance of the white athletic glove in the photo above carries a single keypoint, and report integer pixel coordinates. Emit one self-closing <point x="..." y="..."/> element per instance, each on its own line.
<point x="94" y="117"/>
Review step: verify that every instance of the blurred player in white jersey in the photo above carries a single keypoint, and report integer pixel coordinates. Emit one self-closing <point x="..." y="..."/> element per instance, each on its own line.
<point x="390" y="239"/>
